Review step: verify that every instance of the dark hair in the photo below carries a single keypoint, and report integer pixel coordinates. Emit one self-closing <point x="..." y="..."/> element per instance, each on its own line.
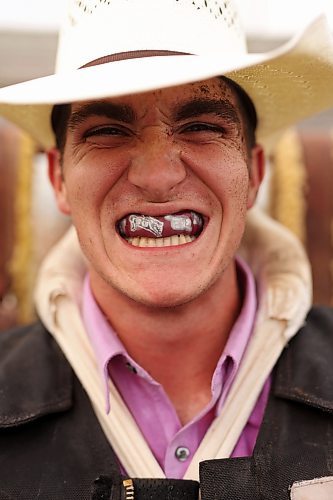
<point x="59" y="120"/>
<point x="248" y="111"/>
<point x="61" y="113"/>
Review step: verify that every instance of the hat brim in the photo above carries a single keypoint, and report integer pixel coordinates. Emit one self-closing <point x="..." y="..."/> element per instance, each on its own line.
<point x="286" y="84"/>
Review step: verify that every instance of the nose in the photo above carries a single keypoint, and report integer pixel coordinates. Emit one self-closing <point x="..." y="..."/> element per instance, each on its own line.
<point x="156" y="167"/>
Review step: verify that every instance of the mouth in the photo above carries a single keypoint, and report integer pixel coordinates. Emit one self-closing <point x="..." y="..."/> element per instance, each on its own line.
<point x="174" y="229"/>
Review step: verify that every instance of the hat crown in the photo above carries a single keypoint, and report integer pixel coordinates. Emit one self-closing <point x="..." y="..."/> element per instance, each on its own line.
<point x="97" y="28"/>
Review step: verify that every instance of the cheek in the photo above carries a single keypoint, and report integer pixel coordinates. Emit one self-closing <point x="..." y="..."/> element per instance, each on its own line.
<point x="90" y="180"/>
<point x="224" y="172"/>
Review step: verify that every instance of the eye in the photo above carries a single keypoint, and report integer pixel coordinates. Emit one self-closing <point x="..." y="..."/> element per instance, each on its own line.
<point x="107" y="135"/>
<point x="106" y="131"/>
<point x="203" y="127"/>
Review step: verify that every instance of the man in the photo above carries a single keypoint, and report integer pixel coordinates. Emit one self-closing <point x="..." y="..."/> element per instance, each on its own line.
<point x="175" y="341"/>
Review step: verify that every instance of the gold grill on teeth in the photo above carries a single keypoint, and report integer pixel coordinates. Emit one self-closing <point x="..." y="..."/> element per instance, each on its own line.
<point x="175" y="240"/>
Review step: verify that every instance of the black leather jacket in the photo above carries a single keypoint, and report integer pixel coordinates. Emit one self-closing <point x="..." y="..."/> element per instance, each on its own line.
<point x="52" y="447"/>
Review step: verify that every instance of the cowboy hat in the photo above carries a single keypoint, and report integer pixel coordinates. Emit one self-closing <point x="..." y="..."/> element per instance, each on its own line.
<point x="110" y="48"/>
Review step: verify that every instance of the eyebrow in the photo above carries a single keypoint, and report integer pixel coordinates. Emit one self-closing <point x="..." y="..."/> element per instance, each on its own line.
<point x="124" y="113"/>
<point x="219" y="107"/>
<point x="119" y="112"/>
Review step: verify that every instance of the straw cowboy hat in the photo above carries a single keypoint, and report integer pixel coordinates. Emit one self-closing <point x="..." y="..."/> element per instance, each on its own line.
<point x="110" y="48"/>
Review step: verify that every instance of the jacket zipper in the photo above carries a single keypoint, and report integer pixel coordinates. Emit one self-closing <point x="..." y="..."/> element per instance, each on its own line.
<point x="129" y="489"/>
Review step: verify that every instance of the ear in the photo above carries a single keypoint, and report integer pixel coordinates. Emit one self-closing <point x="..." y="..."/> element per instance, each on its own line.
<point x="56" y="177"/>
<point x="256" y="173"/>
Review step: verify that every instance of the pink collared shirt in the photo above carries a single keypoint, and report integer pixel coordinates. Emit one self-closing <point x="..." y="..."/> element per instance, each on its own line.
<point x="172" y="444"/>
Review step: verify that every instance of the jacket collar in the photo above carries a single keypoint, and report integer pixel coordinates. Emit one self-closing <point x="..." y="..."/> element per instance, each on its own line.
<point x="35" y="378"/>
<point x="305" y="371"/>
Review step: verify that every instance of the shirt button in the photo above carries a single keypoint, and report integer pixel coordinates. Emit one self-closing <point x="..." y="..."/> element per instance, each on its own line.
<point x="182" y="453"/>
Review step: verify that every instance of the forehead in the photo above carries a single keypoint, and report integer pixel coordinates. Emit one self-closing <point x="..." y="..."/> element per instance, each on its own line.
<point x="214" y="89"/>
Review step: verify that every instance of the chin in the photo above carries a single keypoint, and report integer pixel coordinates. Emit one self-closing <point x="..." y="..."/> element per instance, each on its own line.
<point x="162" y="301"/>
<point x="168" y="296"/>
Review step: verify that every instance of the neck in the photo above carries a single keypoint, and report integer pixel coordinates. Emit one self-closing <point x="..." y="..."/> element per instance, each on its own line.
<point x="153" y="336"/>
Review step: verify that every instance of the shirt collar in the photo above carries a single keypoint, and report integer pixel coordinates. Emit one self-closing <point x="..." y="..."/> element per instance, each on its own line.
<point x="239" y="337"/>
<point x="104" y="340"/>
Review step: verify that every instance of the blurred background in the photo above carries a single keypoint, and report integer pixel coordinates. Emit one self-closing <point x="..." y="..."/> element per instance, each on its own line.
<point x="299" y="187"/>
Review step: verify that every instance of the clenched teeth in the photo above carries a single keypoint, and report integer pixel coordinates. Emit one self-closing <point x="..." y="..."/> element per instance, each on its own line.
<point x="174" y="240"/>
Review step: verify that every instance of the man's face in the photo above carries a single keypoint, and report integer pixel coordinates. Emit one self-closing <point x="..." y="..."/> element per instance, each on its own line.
<point x="172" y="165"/>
